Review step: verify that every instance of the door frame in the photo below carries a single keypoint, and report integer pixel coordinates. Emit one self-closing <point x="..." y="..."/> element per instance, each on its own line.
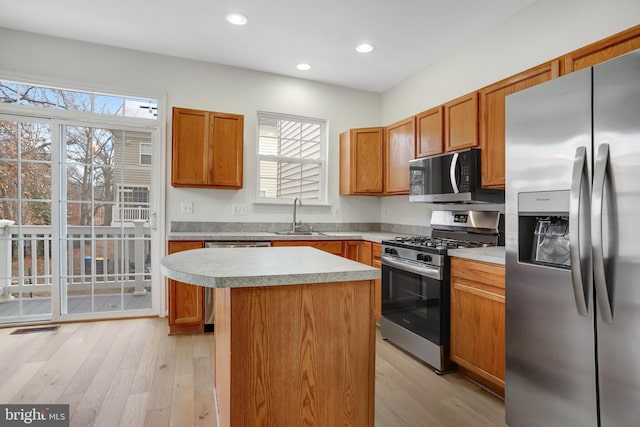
<point x="57" y="118"/>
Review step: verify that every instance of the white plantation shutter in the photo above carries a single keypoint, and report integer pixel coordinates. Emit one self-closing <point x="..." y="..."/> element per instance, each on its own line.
<point x="291" y="157"/>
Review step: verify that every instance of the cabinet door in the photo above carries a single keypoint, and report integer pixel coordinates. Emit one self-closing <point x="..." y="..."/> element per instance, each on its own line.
<point x="477" y="320"/>
<point x="399" y="143"/>
<point x="361" y="161"/>
<point x="352" y="250"/>
<point x="189" y="147"/>
<point x="332" y="246"/>
<point x="461" y="123"/>
<point x="603" y="50"/>
<point x="365" y="253"/>
<point x="186" y="302"/>
<point x="430" y="132"/>
<point x="376" y="251"/>
<point x="492" y="119"/>
<point x="225" y="150"/>
<point x="207" y="149"/>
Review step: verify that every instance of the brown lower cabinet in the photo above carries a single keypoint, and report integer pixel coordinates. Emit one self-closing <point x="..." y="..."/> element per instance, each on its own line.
<point x="186" y="302"/>
<point x="370" y="255"/>
<point x="332" y="246"/>
<point x="376" y="261"/>
<point x="477" y="321"/>
<point x="351" y="250"/>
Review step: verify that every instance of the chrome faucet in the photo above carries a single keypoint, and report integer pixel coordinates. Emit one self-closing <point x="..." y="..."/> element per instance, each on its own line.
<point x="296" y="225"/>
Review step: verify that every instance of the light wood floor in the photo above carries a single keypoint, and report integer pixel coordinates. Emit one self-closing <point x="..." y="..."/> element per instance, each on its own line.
<point x="131" y="373"/>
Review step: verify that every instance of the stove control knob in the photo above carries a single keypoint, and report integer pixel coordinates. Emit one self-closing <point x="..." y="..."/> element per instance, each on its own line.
<point x="390" y="251"/>
<point x="424" y="257"/>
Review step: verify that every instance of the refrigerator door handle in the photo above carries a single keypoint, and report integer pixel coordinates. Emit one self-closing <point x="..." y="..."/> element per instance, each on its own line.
<point x="452" y="173"/>
<point x="599" y="275"/>
<point x="575" y="230"/>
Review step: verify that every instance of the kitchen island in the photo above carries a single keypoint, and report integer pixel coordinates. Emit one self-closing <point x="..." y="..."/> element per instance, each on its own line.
<point x="294" y="334"/>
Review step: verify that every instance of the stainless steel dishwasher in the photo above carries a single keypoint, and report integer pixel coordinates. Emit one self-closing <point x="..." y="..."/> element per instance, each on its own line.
<point x="208" y="292"/>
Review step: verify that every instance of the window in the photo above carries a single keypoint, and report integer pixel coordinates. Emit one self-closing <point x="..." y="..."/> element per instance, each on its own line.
<point x="89" y="102"/>
<point x="145" y="154"/>
<point x="131" y="196"/>
<point x="291" y="157"/>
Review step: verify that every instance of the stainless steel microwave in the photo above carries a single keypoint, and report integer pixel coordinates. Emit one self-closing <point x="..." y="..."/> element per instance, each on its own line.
<point x="450" y="178"/>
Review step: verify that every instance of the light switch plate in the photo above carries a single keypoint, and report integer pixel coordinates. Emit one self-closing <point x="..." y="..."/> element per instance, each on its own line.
<point x="186" y="207"/>
<point x="239" y="210"/>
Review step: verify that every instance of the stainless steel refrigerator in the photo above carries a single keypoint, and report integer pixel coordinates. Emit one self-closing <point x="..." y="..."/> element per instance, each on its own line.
<point x="573" y="249"/>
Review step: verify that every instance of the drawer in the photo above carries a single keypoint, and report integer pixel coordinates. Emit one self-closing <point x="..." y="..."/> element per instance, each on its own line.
<point x="478" y="274"/>
<point x="331" y="246"/>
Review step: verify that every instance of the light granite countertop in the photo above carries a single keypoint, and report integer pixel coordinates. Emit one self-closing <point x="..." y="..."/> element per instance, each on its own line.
<point x="271" y="266"/>
<point x="494" y="255"/>
<point x="373" y="236"/>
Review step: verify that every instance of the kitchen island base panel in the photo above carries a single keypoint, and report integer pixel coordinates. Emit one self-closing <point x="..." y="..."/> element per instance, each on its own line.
<point x="295" y="355"/>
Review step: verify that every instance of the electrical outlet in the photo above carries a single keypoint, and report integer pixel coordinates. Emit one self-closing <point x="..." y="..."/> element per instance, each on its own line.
<point x="239" y="210"/>
<point x="385" y="212"/>
<point x="337" y="212"/>
<point x="186" y="208"/>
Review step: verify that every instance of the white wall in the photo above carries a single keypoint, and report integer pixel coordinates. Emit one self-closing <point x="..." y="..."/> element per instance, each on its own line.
<point x="201" y="85"/>
<point x="545" y="30"/>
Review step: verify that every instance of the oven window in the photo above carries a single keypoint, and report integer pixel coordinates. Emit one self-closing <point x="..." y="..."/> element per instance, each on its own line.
<point x="414" y="302"/>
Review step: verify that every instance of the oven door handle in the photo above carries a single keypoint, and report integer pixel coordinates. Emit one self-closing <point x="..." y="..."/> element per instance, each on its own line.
<point x="431" y="272"/>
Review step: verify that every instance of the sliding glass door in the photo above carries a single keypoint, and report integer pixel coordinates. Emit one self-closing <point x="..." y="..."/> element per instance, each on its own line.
<point x="26" y="147"/>
<point x="75" y="219"/>
<point x="105" y="232"/>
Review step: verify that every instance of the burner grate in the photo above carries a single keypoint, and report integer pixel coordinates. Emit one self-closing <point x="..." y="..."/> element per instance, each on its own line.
<point x="441" y="242"/>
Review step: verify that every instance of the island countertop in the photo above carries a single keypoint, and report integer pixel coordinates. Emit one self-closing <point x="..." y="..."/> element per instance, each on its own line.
<point x="270" y="266"/>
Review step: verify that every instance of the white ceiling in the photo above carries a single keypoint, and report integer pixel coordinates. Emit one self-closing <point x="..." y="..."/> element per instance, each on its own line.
<point x="408" y="34"/>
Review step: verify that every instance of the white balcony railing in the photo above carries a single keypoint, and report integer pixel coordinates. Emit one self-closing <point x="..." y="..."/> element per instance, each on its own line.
<point x="112" y="257"/>
<point x="120" y="213"/>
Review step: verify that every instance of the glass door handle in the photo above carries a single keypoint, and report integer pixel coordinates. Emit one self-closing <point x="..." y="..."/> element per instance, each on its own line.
<point x="153" y="220"/>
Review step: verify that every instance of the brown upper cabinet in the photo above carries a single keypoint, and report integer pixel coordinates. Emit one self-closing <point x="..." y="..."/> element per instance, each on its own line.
<point x="603" y="50"/>
<point x="374" y="161"/>
<point x="492" y="119"/>
<point x="207" y="149"/>
<point x="430" y="132"/>
<point x="361" y="163"/>
<point x="399" y="144"/>
<point x="461" y="123"/>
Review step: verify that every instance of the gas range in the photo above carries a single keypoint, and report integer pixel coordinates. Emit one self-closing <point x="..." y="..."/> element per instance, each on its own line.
<point x="429" y="251"/>
<point x="415" y="281"/>
<point x="451" y="230"/>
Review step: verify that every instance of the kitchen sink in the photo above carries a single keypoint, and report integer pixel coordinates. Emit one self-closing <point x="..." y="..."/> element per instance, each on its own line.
<point x="299" y="233"/>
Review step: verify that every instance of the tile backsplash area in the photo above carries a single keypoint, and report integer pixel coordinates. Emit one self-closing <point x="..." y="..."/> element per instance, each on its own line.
<point x="218" y="227"/>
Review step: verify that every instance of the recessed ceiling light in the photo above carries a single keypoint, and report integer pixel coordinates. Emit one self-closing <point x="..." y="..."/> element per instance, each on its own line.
<point x="237" y="19"/>
<point x="303" y="67"/>
<point x="364" y="48"/>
